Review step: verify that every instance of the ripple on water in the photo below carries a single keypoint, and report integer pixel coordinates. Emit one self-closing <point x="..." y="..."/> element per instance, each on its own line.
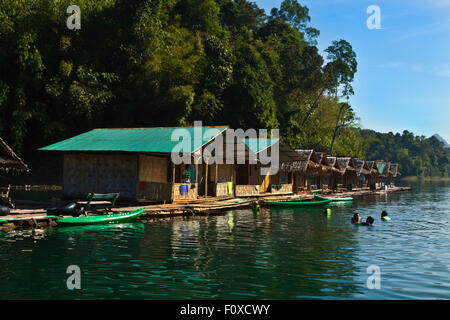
<point x="283" y="254"/>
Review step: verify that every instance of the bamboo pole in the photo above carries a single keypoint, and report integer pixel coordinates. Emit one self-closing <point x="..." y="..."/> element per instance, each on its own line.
<point x="215" y="179"/>
<point x="206" y="180"/>
<point x="173" y="181"/>
<point x="233" y="179"/>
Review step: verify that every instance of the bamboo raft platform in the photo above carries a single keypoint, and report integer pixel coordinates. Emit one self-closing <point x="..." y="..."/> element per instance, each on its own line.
<point x="33" y="214"/>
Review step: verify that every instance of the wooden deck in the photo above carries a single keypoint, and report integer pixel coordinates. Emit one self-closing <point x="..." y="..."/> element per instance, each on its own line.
<point x="33" y="215"/>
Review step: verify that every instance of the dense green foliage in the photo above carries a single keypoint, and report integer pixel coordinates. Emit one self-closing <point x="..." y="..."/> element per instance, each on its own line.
<point x="169" y="62"/>
<point x="143" y="63"/>
<point x="417" y="156"/>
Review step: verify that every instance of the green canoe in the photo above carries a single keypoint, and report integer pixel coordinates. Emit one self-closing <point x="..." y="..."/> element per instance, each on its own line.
<point x="105" y="218"/>
<point x="334" y="198"/>
<point x="298" y="203"/>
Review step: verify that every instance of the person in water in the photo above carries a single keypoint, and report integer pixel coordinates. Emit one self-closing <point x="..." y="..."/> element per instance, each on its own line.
<point x="356" y="219"/>
<point x="384" y="216"/>
<point x="369" y="221"/>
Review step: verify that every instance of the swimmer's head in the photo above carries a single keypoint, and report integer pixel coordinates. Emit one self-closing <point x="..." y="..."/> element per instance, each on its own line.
<point x="370" y="220"/>
<point x="384" y="213"/>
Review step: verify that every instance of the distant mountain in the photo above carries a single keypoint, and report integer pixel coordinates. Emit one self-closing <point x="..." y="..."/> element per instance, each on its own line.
<point x="446" y="145"/>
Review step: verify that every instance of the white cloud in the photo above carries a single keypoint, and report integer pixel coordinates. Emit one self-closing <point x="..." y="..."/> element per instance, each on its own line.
<point x="392" y="65"/>
<point x="441" y="70"/>
<point x="440" y="3"/>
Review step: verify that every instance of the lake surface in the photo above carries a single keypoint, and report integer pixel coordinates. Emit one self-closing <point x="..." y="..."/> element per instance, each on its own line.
<point x="277" y="254"/>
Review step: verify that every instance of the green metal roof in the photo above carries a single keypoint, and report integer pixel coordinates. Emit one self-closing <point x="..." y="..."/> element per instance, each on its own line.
<point x="257" y="145"/>
<point x="137" y="140"/>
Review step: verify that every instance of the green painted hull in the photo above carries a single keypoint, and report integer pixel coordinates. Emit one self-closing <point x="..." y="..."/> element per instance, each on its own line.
<point x="334" y="198"/>
<point x="299" y="204"/>
<point x="106" y="218"/>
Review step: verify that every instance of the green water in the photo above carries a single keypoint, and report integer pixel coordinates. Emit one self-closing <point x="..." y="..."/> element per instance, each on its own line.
<point x="277" y="254"/>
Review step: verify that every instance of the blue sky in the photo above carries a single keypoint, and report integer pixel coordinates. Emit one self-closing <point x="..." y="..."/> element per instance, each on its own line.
<point x="403" y="78"/>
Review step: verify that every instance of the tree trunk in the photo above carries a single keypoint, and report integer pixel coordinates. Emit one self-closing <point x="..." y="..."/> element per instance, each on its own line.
<point x="314" y="106"/>
<point x="336" y="129"/>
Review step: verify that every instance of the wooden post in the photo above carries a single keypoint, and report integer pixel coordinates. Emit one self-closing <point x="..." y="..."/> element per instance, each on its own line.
<point x="173" y="172"/>
<point x="206" y="180"/>
<point x="215" y="179"/>
<point x="173" y="181"/>
<point x="196" y="176"/>
<point x="233" y="178"/>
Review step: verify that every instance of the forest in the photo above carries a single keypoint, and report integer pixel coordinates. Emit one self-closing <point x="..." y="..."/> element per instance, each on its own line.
<point x="418" y="156"/>
<point x="144" y="63"/>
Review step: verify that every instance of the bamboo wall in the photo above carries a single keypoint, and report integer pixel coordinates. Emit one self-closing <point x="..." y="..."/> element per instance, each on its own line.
<point x="222" y="189"/>
<point x="285" y="188"/>
<point x="154" y="191"/>
<point x="247" y="190"/>
<point x="254" y="176"/>
<point x="99" y="173"/>
<point x="224" y="172"/>
<point x="152" y="168"/>
<point x="191" y="195"/>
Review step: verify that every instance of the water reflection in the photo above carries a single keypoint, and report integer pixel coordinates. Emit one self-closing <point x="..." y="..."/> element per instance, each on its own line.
<point x="276" y="254"/>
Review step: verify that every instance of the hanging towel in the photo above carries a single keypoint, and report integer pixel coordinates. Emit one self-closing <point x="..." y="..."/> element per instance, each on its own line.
<point x="230" y="187"/>
<point x="187" y="176"/>
<point x="184" y="189"/>
<point x="192" y="173"/>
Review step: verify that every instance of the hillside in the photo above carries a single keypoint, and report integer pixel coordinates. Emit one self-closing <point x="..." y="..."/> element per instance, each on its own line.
<point x="446" y="145"/>
<point x="417" y="155"/>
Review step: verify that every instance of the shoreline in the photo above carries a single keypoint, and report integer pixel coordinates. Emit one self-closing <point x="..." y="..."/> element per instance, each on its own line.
<point x="37" y="217"/>
<point x="417" y="178"/>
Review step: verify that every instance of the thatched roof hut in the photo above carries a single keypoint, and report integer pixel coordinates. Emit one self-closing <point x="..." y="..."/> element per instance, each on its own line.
<point x="335" y="165"/>
<point x="373" y="168"/>
<point x="395" y="168"/>
<point x="384" y="168"/>
<point x="346" y="164"/>
<point x="9" y="160"/>
<point x="306" y="162"/>
<point x="325" y="164"/>
<point x="361" y="166"/>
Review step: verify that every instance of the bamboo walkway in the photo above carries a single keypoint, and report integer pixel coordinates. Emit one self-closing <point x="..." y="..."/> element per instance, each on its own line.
<point x="31" y="215"/>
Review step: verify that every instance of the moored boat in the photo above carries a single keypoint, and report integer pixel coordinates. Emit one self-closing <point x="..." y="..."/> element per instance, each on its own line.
<point x="333" y="198"/>
<point x="104" y="218"/>
<point x="298" y="203"/>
